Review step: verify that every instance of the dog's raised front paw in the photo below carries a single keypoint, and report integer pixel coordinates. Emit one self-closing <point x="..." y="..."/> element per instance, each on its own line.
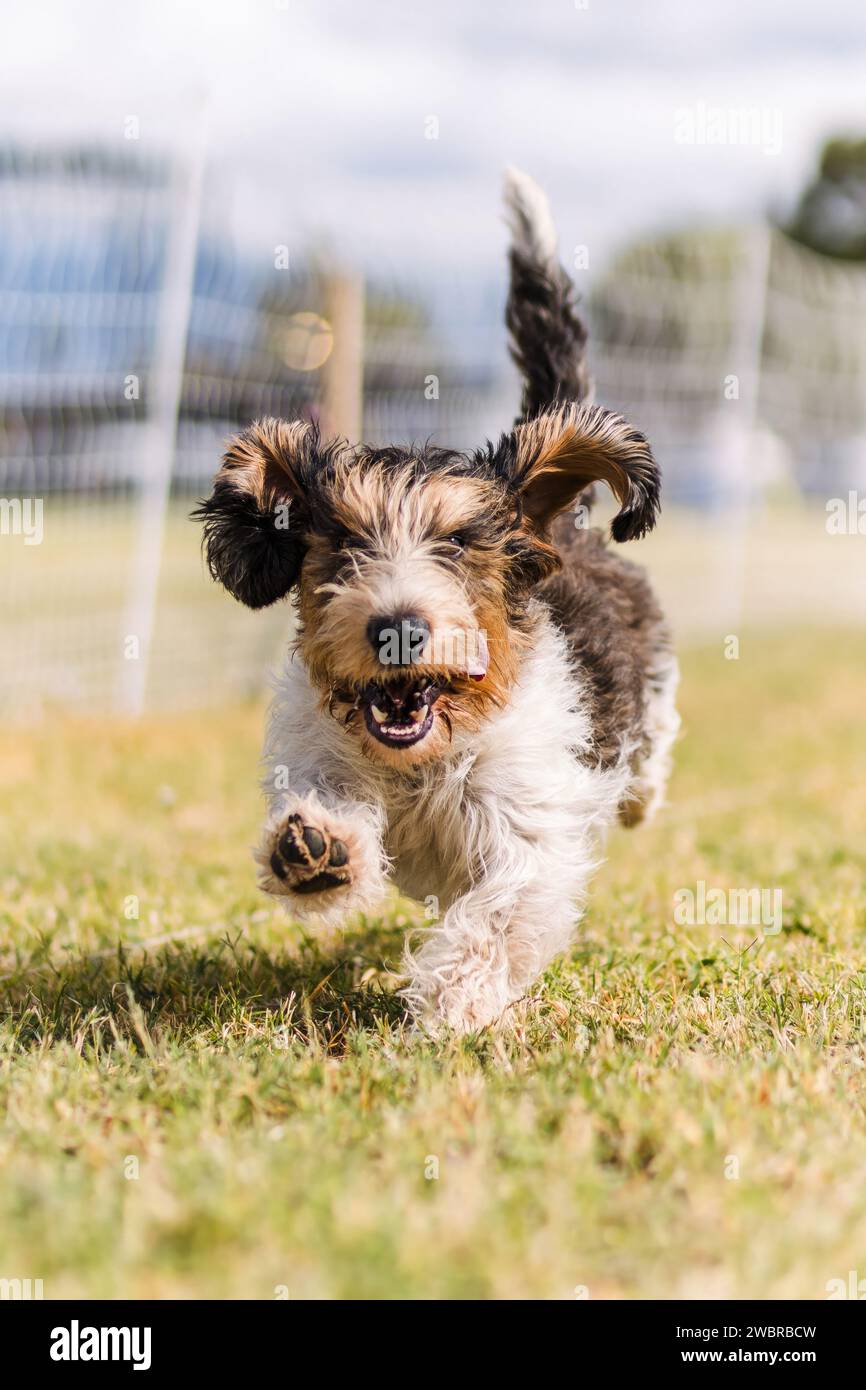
<point x="321" y="861"/>
<point x="307" y="859"/>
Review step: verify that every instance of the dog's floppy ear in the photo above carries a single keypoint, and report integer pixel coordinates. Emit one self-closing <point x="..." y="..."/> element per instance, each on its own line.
<point x="253" y="519"/>
<point x="553" y="457"/>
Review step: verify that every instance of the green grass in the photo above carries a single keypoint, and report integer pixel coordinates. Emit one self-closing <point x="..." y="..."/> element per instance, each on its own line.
<point x="283" y="1126"/>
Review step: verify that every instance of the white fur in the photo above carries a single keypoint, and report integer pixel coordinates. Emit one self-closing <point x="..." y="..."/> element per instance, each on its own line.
<point x="505" y="831"/>
<point x="529" y="218"/>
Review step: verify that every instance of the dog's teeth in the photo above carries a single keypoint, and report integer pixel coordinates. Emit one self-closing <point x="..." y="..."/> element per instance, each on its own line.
<point x="377" y="714"/>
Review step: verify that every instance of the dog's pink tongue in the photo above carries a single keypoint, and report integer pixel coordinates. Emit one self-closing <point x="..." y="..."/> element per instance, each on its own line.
<point x="479" y="661"/>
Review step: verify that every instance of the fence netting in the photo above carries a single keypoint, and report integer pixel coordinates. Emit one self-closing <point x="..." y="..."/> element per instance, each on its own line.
<point x="741" y="355"/>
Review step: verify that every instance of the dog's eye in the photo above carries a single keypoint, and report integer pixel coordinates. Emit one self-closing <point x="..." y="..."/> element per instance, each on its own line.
<point x="455" y="543"/>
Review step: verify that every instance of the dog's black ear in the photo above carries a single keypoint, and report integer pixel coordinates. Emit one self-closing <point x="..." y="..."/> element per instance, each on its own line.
<point x="253" y="519"/>
<point x="552" y="458"/>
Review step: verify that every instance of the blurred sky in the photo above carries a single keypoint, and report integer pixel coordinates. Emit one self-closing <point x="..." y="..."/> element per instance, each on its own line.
<point x="316" y="109"/>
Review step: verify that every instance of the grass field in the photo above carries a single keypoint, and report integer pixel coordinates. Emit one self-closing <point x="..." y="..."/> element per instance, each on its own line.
<point x="236" y="1111"/>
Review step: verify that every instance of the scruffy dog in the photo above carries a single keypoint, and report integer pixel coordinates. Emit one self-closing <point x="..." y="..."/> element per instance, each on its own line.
<point x="480" y="686"/>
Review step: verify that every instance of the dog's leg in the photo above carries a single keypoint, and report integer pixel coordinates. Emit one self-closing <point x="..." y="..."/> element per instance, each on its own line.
<point x="662" y="722"/>
<point x="533" y="863"/>
<point x="324" y="859"/>
<point x="491" y="945"/>
<point x="528" y="836"/>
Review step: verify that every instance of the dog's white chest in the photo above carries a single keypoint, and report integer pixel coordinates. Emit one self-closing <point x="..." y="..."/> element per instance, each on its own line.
<point x="428" y="836"/>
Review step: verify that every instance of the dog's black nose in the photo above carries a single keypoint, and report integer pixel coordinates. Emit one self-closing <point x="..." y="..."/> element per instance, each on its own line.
<point x="398" y="639"/>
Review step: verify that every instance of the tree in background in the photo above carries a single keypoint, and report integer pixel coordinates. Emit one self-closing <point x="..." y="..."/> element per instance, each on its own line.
<point x="831" y="213"/>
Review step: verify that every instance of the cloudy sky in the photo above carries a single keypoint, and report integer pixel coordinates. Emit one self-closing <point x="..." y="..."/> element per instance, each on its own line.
<point x="317" y="112"/>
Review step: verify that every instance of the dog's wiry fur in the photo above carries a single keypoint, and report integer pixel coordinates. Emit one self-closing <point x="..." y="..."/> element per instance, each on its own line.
<point x="482" y="766"/>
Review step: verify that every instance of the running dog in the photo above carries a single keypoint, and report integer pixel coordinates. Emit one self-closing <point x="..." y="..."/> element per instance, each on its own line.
<point x="480" y="686"/>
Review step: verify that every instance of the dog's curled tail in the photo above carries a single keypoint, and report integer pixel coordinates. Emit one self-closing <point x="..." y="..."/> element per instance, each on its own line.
<point x="548" y="336"/>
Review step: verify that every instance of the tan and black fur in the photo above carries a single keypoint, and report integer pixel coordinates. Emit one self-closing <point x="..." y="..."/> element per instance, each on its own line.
<point x="482" y="685"/>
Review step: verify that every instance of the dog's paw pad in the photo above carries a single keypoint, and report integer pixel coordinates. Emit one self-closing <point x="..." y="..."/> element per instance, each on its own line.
<point x="320" y="883"/>
<point x="339" y="855"/>
<point x="278" y="867"/>
<point x="301" y="844"/>
<point x="307" y="860"/>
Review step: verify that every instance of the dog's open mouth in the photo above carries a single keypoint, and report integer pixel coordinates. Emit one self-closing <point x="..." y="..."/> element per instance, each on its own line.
<point x="399" y="712"/>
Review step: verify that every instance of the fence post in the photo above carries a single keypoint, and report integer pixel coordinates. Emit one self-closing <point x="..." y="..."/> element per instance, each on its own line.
<point x="747" y="338"/>
<point x="342" y="409"/>
<point x="159" y="432"/>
